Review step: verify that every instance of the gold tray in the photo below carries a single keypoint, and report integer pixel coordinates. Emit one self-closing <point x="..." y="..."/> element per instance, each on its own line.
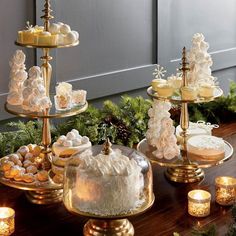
<point x="47" y="46"/>
<point x="218" y="92"/>
<point x="52" y="113"/>
<point x="147" y="150"/>
<point x="35" y="186"/>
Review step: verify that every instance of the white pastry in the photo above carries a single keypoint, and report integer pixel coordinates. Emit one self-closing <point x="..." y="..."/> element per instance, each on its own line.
<point x="65" y="29"/>
<point x="54" y="28"/>
<point x="70" y="144"/>
<point x="34" y="72"/>
<point x="206" y="148"/>
<point x="70" y="38"/>
<point x="76" y="34"/>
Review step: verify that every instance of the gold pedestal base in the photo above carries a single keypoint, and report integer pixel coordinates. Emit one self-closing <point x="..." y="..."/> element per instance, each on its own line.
<point x="43" y="197"/>
<point x="184" y="175"/>
<point x="121" y="227"/>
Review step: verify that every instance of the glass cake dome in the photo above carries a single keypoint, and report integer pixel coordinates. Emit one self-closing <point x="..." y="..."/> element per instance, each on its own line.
<point x="105" y="181"/>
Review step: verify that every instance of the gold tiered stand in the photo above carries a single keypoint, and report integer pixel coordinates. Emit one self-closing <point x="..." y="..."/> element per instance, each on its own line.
<point x="181" y="169"/>
<point x="48" y="192"/>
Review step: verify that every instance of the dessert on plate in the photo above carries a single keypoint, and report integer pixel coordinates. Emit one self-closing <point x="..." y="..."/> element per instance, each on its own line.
<point x="205" y="148"/>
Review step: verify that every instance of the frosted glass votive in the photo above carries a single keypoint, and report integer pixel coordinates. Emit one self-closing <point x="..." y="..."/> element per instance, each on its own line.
<point x="199" y="202"/>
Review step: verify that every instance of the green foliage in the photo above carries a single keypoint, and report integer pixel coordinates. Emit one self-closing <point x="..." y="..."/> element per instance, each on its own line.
<point x="206" y="231"/>
<point x="25" y="133"/>
<point x="124" y="123"/>
<point x="221" y="110"/>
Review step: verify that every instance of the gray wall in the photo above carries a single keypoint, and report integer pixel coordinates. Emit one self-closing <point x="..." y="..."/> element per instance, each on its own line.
<point x="117" y="45"/>
<point x="13" y="16"/>
<point x="179" y="20"/>
<point x="118" y="41"/>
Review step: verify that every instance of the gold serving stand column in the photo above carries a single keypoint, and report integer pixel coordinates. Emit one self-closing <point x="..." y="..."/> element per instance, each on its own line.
<point x="187" y="173"/>
<point x="121" y="227"/>
<point x="48" y="192"/>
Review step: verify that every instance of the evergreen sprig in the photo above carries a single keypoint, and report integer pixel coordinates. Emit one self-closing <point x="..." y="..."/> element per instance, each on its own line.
<point x="124" y="123"/>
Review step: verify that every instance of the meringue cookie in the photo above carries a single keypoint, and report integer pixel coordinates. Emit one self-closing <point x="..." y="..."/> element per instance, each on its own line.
<point x="20" y="76"/>
<point x="76" y="34"/>
<point x="70" y="38"/>
<point x="85" y="139"/>
<point x="19" y="57"/>
<point x="77" y="142"/>
<point x="70" y="136"/>
<point x="54" y="28"/>
<point x="65" y="29"/>
<point x="67" y="143"/>
<point x="76" y="132"/>
<point x="61" y="139"/>
<point x="35" y="72"/>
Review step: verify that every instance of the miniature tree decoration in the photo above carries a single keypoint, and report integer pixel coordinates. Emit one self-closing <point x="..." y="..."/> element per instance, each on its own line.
<point x="200" y="62"/>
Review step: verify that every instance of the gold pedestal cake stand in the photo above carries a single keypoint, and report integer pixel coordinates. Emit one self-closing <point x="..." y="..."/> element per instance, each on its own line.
<point x="181" y="169"/>
<point x="48" y="192"/>
<point x="112" y="225"/>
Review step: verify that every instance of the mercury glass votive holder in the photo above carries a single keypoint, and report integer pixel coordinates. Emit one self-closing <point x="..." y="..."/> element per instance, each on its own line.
<point x="225" y="190"/>
<point x="7" y="221"/>
<point x="199" y="202"/>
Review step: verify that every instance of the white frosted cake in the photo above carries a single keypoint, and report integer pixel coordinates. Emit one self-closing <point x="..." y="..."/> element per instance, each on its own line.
<point x="206" y="148"/>
<point x="108" y="184"/>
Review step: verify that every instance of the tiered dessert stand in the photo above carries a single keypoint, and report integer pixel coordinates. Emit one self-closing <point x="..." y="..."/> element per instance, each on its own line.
<point x="181" y="169"/>
<point x="48" y="192"/>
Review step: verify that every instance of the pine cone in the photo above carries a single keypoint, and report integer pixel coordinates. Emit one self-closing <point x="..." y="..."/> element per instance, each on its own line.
<point x="122" y="132"/>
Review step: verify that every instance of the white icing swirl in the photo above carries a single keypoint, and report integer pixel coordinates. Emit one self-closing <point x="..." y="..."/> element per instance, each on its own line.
<point x="113" y="164"/>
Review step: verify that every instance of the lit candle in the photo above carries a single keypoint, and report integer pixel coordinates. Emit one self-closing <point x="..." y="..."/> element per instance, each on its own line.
<point x="225" y="190"/>
<point x="199" y="203"/>
<point x="7" y="221"/>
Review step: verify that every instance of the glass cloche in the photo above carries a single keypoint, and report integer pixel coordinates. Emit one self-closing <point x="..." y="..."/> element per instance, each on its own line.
<point x="106" y="181"/>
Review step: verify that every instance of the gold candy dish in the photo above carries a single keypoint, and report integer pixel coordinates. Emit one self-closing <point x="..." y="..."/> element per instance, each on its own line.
<point x="51" y="113"/>
<point x="47" y="46"/>
<point x="218" y="92"/>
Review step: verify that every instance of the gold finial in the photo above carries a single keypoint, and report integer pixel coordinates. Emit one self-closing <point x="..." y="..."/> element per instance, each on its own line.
<point x="47" y="14"/>
<point x="107" y="147"/>
<point x="184" y="67"/>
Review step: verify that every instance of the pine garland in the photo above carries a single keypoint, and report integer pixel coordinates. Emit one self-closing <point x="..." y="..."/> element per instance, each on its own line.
<point x="124" y="123"/>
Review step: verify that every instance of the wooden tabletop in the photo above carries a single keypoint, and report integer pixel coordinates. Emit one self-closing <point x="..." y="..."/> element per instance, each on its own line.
<point x="168" y="214"/>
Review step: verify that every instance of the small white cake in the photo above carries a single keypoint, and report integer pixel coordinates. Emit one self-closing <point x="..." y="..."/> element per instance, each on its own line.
<point x="64" y="148"/>
<point x="108" y="184"/>
<point x="70" y="144"/>
<point x="205" y="148"/>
